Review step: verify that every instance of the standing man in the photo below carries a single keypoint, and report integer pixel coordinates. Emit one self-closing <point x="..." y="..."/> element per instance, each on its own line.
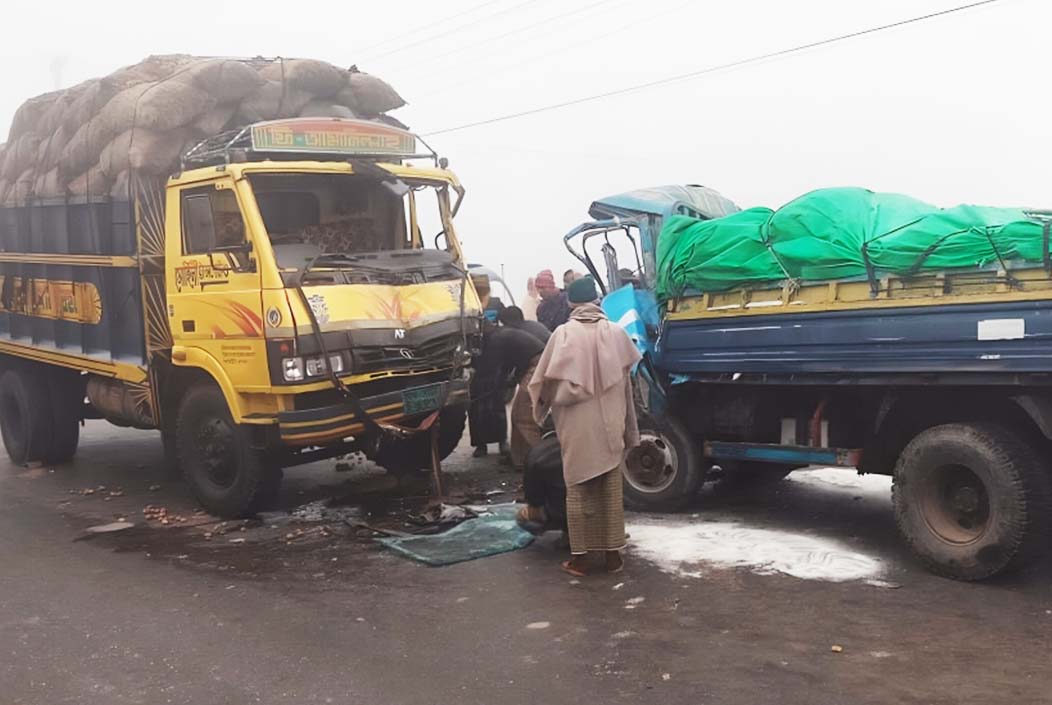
<point x="583" y="380"/>
<point x="569" y="277"/>
<point x="529" y="304"/>
<point x="487" y="415"/>
<point x="515" y="353"/>
<point x="553" y="310"/>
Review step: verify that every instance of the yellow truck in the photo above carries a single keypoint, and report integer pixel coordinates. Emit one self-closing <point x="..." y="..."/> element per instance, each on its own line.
<point x="276" y="302"/>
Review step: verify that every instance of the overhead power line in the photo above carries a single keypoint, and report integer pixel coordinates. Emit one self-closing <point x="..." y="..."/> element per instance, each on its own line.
<point x="549" y="53"/>
<point x="711" y="69"/>
<point x="512" y="32"/>
<point x="414" y="30"/>
<point x="451" y="30"/>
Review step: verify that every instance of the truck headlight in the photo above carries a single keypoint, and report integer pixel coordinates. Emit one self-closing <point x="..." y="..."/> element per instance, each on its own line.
<point x="292" y="369"/>
<point x="316" y="366"/>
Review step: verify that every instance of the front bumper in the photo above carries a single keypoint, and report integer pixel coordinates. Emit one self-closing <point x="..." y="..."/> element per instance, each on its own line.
<point x="333" y="423"/>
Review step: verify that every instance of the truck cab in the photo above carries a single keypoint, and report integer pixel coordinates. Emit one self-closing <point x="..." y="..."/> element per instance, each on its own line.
<point x="301" y="294"/>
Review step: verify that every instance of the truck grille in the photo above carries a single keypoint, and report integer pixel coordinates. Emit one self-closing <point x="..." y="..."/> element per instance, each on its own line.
<point x="437" y="352"/>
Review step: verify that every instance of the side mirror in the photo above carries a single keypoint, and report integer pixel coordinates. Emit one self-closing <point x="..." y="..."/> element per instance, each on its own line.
<point x="237" y="258"/>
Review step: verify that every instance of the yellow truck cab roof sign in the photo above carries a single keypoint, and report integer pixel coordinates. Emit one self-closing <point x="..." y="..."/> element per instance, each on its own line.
<point x="332" y="136"/>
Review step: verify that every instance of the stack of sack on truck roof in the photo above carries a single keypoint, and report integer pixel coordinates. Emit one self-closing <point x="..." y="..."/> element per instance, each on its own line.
<point x="89" y="139"/>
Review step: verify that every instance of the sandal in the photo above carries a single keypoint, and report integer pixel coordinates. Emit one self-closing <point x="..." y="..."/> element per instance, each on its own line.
<point x="573" y="569"/>
<point x="615" y="562"/>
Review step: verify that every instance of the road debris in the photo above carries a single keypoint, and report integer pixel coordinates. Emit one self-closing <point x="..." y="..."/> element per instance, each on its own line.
<point x="110" y="528"/>
<point x="836" y="648"/>
<point x="538" y="625"/>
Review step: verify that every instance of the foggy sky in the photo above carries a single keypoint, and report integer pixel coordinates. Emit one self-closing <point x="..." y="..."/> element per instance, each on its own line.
<point x="952" y="110"/>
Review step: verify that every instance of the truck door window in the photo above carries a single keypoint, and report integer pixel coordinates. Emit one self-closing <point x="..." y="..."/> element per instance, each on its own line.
<point x="211" y="219"/>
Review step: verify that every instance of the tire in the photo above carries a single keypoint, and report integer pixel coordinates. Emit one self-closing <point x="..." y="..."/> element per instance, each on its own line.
<point x="170" y="448"/>
<point x="67" y="399"/>
<point x="25" y="414"/>
<point x="971" y="500"/>
<point x="227" y="476"/>
<point x="664" y="473"/>
<point x="406" y="455"/>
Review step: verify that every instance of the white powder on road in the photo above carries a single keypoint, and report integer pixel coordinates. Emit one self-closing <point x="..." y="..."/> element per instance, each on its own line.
<point x="879" y="485"/>
<point x="684" y="549"/>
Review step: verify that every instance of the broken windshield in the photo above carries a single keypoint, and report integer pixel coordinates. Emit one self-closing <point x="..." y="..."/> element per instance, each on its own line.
<point x="351" y="222"/>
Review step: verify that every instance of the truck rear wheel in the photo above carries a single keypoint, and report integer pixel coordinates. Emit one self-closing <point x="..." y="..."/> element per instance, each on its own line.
<point x="25" y="414"/>
<point x="66" y="392"/>
<point x="227" y="475"/>
<point x="971" y="500"/>
<point x="664" y="472"/>
<point x="406" y="455"/>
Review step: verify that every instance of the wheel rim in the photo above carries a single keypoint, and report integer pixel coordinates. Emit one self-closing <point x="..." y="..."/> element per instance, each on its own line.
<point x="653" y="465"/>
<point x="216" y="449"/>
<point x="955" y="504"/>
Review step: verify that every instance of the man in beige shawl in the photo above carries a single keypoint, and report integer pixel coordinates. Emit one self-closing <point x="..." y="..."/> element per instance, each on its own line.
<point x="583" y="380"/>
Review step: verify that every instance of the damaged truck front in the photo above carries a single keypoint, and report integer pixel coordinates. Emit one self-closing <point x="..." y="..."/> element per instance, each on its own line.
<point x="296" y="292"/>
<point x="847" y="329"/>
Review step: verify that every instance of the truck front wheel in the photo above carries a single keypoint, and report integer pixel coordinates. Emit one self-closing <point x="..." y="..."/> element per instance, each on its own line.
<point x="971" y="500"/>
<point x="227" y="475"/>
<point x="663" y="473"/>
<point x="25" y="414"/>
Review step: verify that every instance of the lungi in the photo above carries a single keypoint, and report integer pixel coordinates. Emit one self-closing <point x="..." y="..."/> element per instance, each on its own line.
<point x="595" y="514"/>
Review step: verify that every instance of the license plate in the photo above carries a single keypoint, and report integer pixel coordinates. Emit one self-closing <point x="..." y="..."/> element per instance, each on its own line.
<point x="418" y="401"/>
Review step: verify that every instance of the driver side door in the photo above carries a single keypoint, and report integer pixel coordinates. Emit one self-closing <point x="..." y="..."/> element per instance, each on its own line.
<point x="214" y="298"/>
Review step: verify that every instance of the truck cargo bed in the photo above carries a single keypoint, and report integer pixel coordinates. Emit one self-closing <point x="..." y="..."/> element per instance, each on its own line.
<point x="972" y="322"/>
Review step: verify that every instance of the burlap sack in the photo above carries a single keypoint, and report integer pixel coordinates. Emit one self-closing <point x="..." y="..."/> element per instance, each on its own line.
<point x="347" y="98"/>
<point x="215" y="120"/>
<point x="121" y="112"/>
<point x="373" y="95"/>
<point x="150" y="151"/>
<point x="121" y="188"/>
<point x="49" y="153"/>
<point x="323" y="108"/>
<point x="83" y="149"/>
<point x="271" y="101"/>
<point x="21" y="154"/>
<point x="225" y="80"/>
<point x="155" y="67"/>
<point x="392" y="121"/>
<point x="85" y="105"/>
<point x="55" y="116"/>
<point x="91" y="183"/>
<point x="21" y="188"/>
<point x="49" y="185"/>
<point x="319" y="78"/>
<point x="27" y="118"/>
<point x="170" y="104"/>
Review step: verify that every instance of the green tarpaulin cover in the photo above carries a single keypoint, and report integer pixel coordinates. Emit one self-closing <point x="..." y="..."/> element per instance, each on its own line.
<point x="831" y="233"/>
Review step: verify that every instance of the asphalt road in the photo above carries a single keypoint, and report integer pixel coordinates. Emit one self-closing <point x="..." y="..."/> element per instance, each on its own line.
<point x="189" y="612"/>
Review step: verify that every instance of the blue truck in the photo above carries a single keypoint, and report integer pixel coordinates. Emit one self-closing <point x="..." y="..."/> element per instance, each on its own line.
<point x="942" y="380"/>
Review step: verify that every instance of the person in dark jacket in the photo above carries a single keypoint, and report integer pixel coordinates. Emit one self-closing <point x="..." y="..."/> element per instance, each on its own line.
<point x="516" y="352"/>
<point x="554" y="309"/>
<point x="512" y="317"/>
<point x="487" y="414"/>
